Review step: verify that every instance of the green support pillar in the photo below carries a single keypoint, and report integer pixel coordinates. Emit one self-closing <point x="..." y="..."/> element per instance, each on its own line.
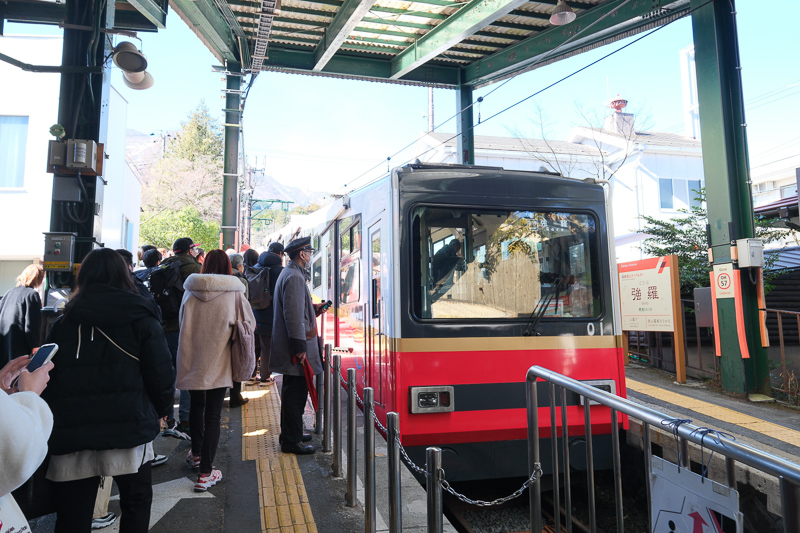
<point x="464" y="125"/>
<point x="230" y="169"/>
<point x="725" y="163"/>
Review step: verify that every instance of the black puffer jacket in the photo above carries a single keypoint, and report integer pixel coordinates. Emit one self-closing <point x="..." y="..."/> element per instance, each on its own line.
<point x="264" y="316"/>
<point x="113" y="377"/>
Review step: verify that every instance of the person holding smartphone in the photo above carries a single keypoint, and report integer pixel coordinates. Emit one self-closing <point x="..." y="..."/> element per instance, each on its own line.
<point x="112" y="382"/>
<point x="24" y="428"/>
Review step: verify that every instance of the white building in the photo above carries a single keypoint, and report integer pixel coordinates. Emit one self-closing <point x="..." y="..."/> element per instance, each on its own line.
<point x="651" y="173"/>
<point x="27" y="110"/>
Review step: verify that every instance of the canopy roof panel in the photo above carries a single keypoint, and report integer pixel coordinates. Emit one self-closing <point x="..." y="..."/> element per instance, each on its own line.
<point x="421" y="42"/>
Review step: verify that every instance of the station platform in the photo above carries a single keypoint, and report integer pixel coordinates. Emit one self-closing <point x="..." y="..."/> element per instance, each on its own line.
<point x="263" y="489"/>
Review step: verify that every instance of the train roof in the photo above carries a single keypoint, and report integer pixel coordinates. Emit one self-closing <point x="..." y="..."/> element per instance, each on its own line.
<point x="494" y="182"/>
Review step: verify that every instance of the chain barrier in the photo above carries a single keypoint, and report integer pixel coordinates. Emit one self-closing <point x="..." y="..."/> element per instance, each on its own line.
<point x="535" y="476"/>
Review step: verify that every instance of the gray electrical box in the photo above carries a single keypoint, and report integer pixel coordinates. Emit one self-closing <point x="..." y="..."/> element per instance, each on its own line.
<point x="59" y="250"/>
<point x="81" y="154"/>
<point x="703" y="307"/>
<point x="751" y="253"/>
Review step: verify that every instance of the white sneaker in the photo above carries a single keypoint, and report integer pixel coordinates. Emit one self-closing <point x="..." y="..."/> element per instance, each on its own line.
<point x="105" y="521"/>
<point x="159" y="460"/>
<point x="204" y="481"/>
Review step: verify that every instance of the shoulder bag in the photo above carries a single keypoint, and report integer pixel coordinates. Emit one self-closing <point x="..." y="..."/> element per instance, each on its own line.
<point x="243" y="353"/>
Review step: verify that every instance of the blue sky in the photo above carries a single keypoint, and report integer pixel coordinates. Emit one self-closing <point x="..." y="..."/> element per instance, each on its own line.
<point x="322" y="133"/>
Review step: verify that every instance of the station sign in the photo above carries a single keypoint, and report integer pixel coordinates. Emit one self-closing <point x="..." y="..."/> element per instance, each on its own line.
<point x="645" y="288"/>
<point x="682" y="501"/>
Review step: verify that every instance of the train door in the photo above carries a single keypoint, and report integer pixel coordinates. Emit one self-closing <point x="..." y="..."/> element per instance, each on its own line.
<point x="376" y="324"/>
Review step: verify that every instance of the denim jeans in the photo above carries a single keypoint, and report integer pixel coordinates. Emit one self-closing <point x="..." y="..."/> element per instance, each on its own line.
<point x="185" y="400"/>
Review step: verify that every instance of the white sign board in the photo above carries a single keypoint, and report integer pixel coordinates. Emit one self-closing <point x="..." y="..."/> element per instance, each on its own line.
<point x="685" y="502"/>
<point x="723" y="281"/>
<point x="645" y="289"/>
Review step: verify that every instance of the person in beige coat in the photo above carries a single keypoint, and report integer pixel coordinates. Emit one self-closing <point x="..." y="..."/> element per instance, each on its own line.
<point x="207" y="317"/>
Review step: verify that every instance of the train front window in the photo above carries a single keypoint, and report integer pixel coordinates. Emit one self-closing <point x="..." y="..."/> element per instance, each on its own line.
<point x="484" y="264"/>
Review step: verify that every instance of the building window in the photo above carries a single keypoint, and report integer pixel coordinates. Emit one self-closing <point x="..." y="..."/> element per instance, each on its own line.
<point x="678" y="194"/>
<point x="13" y="141"/>
<point x="127" y="233"/>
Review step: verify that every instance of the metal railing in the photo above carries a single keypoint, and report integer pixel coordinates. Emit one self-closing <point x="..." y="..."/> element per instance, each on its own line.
<point x="432" y="470"/>
<point x="787" y="473"/>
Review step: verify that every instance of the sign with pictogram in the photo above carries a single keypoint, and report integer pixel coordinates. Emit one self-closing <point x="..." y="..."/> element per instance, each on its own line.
<point x="683" y="501"/>
<point x="723" y="281"/>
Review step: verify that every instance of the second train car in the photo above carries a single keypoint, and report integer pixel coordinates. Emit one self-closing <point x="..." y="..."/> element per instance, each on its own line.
<point x="449" y="282"/>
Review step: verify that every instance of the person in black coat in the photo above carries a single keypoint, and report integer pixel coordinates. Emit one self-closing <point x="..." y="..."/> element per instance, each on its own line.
<point x="21" y="316"/>
<point x="273" y="260"/>
<point x="112" y="382"/>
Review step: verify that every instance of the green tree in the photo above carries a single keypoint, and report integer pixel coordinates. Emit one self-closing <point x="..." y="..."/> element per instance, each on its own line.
<point x="189" y="176"/>
<point x="200" y="137"/>
<point x="686" y="237"/>
<point x="165" y="228"/>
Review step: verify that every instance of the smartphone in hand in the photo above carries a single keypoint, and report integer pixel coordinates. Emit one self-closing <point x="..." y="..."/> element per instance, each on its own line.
<point x="40" y="358"/>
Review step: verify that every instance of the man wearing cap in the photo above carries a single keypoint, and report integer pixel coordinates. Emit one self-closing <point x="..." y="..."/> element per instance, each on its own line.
<point x="294" y="343"/>
<point x="189" y="266"/>
<point x="273" y="260"/>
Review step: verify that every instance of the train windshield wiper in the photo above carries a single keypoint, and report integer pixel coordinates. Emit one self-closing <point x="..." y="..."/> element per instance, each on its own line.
<point x="541" y="307"/>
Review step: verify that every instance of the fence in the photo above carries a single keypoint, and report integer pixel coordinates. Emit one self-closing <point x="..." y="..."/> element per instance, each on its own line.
<point x="787" y="474"/>
<point x="783" y="380"/>
<point x="432" y="470"/>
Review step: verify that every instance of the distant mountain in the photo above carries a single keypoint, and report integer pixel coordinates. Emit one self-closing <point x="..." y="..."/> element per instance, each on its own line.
<point x="272" y="189"/>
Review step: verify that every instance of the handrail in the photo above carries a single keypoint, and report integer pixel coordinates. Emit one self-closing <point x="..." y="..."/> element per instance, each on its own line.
<point x="739" y="452"/>
<point x="781" y="311"/>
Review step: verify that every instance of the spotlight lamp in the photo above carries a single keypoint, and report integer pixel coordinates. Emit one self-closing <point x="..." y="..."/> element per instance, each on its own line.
<point x="562" y="14"/>
<point x="132" y="63"/>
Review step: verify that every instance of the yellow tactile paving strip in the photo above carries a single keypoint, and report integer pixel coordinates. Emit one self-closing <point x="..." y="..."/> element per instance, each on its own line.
<point x="282" y="494"/>
<point x="719" y="413"/>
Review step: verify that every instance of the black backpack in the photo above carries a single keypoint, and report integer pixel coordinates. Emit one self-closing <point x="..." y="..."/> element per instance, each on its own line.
<point x="258" y="287"/>
<point x="166" y="287"/>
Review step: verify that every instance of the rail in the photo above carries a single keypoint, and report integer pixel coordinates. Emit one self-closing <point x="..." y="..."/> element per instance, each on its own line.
<point x="432" y="470"/>
<point x="787" y="473"/>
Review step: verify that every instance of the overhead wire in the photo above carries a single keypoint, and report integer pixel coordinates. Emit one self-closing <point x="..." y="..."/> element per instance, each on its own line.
<point x="479" y="100"/>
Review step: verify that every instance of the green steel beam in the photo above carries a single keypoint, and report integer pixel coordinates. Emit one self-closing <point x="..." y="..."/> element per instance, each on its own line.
<point x="465" y="142"/>
<point x="209" y="25"/>
<point x="152" y="11"/>
<point x="398" y="23"/>
<point x="608" y="20"/>
<point x="302" y="61"/>
<point x="498" y="35"/>
<point x="53" y="13"/>
<point x="405" y="12"/>
<point x="725" y="166"/>
<point x="377" y="41"/>
<point x="471" y="18"/>
<point x="342" y="25"/>
<point x="295" y="39"/>
<point x="304" y="11"/>
<point x="230" y="165"/>
<point x="281" y="29"/>
<point x="368" y="48"/>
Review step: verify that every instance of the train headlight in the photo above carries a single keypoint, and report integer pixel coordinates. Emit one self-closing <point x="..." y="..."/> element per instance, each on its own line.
<point x="431" y="399"/>
<point x="607" y="385"/>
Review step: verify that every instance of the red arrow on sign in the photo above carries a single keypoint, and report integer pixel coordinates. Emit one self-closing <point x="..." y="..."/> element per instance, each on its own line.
<point x="698" y="522"/>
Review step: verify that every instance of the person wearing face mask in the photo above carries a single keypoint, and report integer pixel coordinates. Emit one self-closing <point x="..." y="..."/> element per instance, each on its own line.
<point x="294" y="343"/>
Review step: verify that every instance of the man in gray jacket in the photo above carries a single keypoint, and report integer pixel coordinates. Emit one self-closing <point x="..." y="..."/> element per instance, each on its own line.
<point x="295" y="343"/>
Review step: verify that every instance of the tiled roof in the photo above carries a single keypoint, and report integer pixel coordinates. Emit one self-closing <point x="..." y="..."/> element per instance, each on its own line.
<point x="514" y="144"/>
<point x="655" y="138"/>
<point x="788" y="258"/>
